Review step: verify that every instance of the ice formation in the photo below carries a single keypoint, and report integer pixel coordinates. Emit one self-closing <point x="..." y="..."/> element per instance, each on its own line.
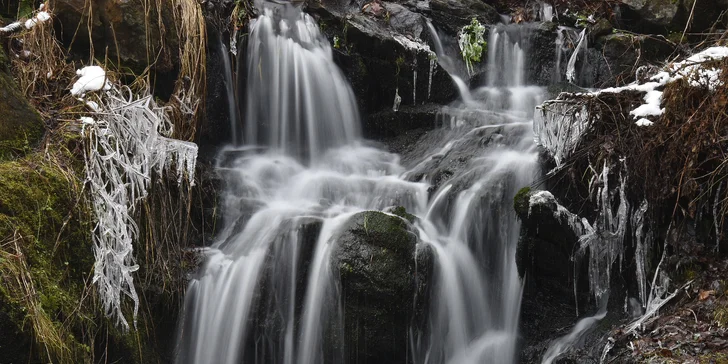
<point x="604" y="239"/>
<point x="429" y="81"/>
<point x="558" y="127"/>
<point x="659" y="296"/>
<point x="560" y="123"/>
<point x="124" y="148"/>
<point x="643" y="242"/>
<point x="93" y="78"/>
<point x="571" y="66"/>
<point x="397" y="100"/>
<point x="41" y="17"/>
<point x="471" y="43"/>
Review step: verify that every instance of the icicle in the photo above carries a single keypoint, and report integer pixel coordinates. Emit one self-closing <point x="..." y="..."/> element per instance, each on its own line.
<point x="571" y="66"/>
<point x="716" y="202"/>
<point x="429" y="81"/>
<point x="607" y="348"/>
<point x="604" y="240"/>
<point x="397" y="100"/>
<point x="414" y="83"/>
<point x="642" y="243"/>
<point x="234" y="42"/>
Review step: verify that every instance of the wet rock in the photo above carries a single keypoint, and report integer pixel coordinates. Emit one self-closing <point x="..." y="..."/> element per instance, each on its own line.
<point x="390" y="123"/>
<point x="664" y="16"/>
<point x="452" y="15"/>
<point x="384" y="56"/>
<point x="600" y="28"/>
<point x="658" y="14"/>
<point x="379" y="262"/>
<point x="548" y="236"/>
<point x="21" y="127"/>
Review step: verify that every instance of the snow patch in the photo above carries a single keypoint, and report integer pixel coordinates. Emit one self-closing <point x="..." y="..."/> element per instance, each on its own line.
<point x="643" y="122"/>
<point x="93" y="78"/>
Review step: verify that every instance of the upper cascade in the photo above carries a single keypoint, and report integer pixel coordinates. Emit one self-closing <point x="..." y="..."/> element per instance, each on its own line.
<point x="298" y="102"/>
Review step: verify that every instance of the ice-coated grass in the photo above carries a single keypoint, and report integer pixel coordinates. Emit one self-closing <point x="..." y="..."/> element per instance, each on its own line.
<point x="125" y="146"/>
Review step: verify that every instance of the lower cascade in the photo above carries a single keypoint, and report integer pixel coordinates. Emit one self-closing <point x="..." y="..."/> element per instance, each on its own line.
<point x="314" y="217"/>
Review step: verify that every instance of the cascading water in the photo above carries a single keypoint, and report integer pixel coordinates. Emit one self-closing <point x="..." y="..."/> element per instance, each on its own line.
<point x="470" y="219"/>
<point x="267" y="293"/>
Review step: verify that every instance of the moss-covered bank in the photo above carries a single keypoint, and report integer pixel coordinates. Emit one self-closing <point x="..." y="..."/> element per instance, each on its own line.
<point x="48" y="304"/>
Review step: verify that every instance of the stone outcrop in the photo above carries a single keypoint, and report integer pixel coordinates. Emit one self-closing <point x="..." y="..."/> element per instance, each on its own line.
<point x="132" y="33"/>
<point x="379" y="262"/>
<point x="21" y="127"/>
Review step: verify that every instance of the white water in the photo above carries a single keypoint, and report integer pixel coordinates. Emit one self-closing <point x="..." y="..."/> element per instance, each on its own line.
<point x="266" y="293"/>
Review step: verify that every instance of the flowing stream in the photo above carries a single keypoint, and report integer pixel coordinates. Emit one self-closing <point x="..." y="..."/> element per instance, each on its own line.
<point x="266" y="292"/>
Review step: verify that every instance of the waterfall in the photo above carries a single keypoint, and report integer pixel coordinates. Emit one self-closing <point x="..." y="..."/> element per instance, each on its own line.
<point x="298" y="101"/>
<point x="266" y="292"/>
<point x="470" y="220"/>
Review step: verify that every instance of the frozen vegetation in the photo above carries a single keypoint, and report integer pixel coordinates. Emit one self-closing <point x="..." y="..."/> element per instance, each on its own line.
<point x="126" y="144"/>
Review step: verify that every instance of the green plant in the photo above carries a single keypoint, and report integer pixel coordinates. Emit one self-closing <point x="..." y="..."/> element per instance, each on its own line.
<point x="399" y="62"/>
<point x="472" y="43"/>
<point x="337" y="42"/>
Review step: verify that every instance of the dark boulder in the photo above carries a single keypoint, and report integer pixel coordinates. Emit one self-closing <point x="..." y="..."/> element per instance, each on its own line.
<point x="452" y="15"/>
<point x="384" y="275"/>
<point x="384" y="56"/>
<point x="658" y="14"/>
<point x="132" y="34"/>
<point x="21" y="127"/>
<point x="548" y="236"/>
<point x="389" y="123"/>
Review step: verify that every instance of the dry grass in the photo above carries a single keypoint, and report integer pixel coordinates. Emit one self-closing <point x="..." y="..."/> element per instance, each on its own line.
<point x="679" y="165"/>
<point x="17" y="280"/>
<point x="41" y="69"/>
<point x="189" y="95"/>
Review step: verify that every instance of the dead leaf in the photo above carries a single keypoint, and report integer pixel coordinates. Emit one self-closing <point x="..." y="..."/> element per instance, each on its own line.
<point x="703" y="295"/>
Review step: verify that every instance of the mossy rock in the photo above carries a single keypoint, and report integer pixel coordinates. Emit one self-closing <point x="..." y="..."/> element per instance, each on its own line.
<point x="375" y="257"/>
<point x="521" y="201"/>
<point x="21" y="127"/>
<point x="45" y="244"/>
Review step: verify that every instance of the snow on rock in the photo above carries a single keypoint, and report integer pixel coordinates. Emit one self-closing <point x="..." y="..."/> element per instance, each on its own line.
<point x="12" y="27"/>
<point x="41" y="17"/>
<point x="643" y="122"/>
<point x="93" y="78"/>
<point x="415" y="45"/>
<point x="559" y="124"/>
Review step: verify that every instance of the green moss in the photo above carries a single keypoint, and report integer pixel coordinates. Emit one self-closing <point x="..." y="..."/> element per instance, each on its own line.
<point x="44" y="216"/>
<point x="402" y="212"/>
<point x="521" y="200"/>
<point x="386" y="231"/>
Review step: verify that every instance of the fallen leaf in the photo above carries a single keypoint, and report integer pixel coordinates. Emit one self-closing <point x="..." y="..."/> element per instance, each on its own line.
<point x="703" y="295"/>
